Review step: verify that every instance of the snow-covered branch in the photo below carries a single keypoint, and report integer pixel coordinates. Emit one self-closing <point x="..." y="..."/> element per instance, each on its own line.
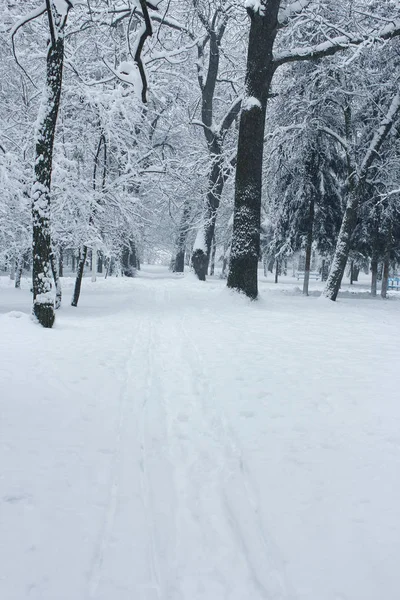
<point x="285" y="14"/>
<point x="380" y="135"/>
<point x="337" y="44"/>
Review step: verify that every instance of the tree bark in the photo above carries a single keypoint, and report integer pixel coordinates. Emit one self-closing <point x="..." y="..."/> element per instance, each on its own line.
<point x="18" y="272"/>
<point x="213" y="252"/>
<point x="94" y="264"/>
<point x="309" y="242"/>
<point x="374" y="275"/>
<point x="180" y="244"/>
<point x="247" y="212"/>
<point x="60" y="261"/>
<point x="43" y="304"/>
<point x="342" y="248"/>
<point x="57" y="282"/>
<point x="79" y="276"/>
<point x="276" y="271"/>
<point x="385" y="275"/>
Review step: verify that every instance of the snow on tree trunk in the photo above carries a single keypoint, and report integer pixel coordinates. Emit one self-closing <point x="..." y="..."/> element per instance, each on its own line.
<point x="213" y="252"/>
<point x="43" y="305"/>
<point x="374" y="275"/>
<point x="309" y="242"/>
<point x="18" y="272"/>
<point x="180" y="244"/>
<point x="246" y="222"/>
<point x="57" y="282"/>
<point x="202" y="253"/>
<point x="12" y="268"/>
<point x="342" y="249"/>
<point x="385" y="276"/>
<point x="94" y="263"/>
<point x="79" y="276"/>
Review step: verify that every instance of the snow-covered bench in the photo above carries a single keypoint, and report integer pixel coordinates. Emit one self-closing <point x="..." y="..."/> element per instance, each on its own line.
<point x="313" y="275"/>
<point x="394" y="283"/>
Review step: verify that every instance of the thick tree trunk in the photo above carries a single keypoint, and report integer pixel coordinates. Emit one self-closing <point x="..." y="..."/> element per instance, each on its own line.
<point x="342" y="249"/>
<point x="246" y="222"/>
<point x="129" y="259"/>
<point x="309" y="242"/>
<point x="79" y="276"/>
<point x="100" y="263"/>
<point x="43" y="304"/>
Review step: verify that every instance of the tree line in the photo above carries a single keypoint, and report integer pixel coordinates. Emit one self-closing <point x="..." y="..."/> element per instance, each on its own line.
<point x="263" y="128"/>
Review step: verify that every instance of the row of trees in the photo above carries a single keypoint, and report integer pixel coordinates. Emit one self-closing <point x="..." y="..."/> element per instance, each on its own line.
<point x="156" y="134"/>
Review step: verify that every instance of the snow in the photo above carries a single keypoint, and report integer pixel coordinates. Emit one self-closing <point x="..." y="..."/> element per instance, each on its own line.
<point x="255" y="6"/>
<point x="250" y="102"/>
<point x="171" y="440"/>
<point x="200" y="241"/>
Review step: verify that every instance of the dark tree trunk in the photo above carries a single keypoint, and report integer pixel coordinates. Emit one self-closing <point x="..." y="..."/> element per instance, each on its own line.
<point x="356" y="272"/>
<point x="179" y="261"/>
<point x="374" y="274"/>
<point x="18" y="272"/>
<point x="57" y="282"/>
<point x="276" y="271"/>
<point x="342" y="249"/>
<point x="246" y="223"/>
<point x="61" y="262"/>
<point x="79" y="276"/>
<point x="43" y="305"/>
<point x="129" y="259"/>
<point x="213" y="251"/>
<point x="201" y="259"/>
<point x="309" y="242"/>
<point x="100" y="263"/>
<point x="385" y="275"/>
<point x="73" y="262"/>
<point x="351" y="272"/>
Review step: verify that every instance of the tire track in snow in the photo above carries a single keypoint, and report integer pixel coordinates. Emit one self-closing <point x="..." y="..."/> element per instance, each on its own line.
<point x="242" y="511"/>
<point x="108" y="523"/>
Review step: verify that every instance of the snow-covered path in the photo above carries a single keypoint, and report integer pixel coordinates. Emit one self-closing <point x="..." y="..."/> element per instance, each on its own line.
<point x="171" y="441"/>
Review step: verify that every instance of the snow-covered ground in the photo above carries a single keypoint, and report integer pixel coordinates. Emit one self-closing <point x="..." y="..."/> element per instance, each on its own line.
<point x="169" y="440"/>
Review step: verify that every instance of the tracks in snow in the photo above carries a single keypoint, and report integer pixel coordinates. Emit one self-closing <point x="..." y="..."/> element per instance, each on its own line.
<point x="182" y="520"/>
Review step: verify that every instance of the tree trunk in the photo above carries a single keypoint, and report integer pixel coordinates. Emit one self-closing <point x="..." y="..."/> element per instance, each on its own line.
<point x="385" y="275"/>
<point x="100" y="262"/>
<point x="351" y="272"/>
<point x="129" y="259"/>
<point x="247" y="213"/>
<point x="60" y="262"/>
<point x="213" y="251"/>
<point x="79" y="276"/>
<point x="18" y="273"/>
<point x="12" y="263"/>
<point x="43" y="305"/>
<point x="276" y="271"/>
<point x="342" y="249"/>
<point x="201" y="258"/>
<point x="57" y="281"/>
<point x="356" y="272"/>
<point x="180" y="245"/>
<point x="374" y="274"/>
<point x="94" y="263"/>
<point x="309" y="242"/>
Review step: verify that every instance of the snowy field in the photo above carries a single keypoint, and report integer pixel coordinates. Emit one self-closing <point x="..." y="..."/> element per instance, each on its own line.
<point x="169" y="440"/>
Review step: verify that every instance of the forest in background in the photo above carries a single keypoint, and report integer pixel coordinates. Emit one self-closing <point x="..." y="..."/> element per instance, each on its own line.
<point x="196" y="131"/>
